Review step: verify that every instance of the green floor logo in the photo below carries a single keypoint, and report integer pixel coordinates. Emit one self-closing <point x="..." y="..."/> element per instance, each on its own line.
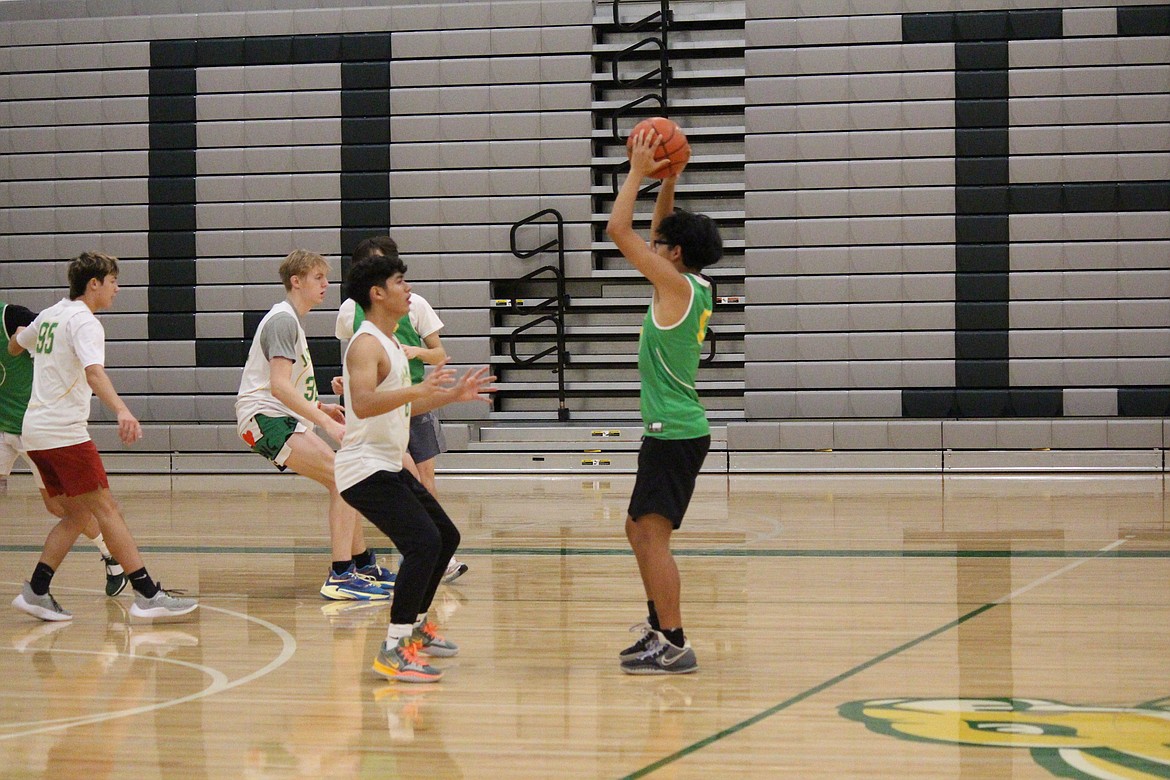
<point x="1067" y="740"/>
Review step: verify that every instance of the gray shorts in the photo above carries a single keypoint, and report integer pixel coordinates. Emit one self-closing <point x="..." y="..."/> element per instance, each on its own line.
<point x="426" y="437"/>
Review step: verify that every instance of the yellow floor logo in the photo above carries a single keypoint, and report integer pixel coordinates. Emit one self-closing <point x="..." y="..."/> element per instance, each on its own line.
<point x="1067" y="740"/>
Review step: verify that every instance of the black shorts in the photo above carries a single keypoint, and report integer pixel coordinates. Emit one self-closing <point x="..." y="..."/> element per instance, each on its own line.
<point x="667" y="469"/>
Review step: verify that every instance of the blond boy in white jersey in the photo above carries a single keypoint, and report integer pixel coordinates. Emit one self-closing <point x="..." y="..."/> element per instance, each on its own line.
<point x="276" y="409"/>
<point x="68" y="345"/>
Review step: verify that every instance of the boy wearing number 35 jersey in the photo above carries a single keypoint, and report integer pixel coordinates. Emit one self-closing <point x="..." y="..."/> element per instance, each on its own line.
<point x="277" y="408"/>
<point x="68" y="345"/>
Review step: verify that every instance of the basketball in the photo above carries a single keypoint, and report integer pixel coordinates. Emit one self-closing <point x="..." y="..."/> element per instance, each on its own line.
<point x="672" y="144"/>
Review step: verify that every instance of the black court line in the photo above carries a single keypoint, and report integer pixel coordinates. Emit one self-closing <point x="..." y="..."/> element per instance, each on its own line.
<point x="743" y="724"/>
<point x="1105" y="552"/>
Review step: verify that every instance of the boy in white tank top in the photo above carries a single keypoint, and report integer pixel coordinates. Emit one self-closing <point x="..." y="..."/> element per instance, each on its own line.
<point x="418" y="335"/>
<point x="379" y="401"/>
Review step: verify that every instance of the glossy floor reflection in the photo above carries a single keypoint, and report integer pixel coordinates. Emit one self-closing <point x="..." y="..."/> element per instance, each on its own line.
<point x="845" y="627"/>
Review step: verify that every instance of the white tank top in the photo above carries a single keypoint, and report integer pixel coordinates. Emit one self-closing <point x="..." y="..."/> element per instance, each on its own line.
<point x="255" y="396"/>
<point x="375" y="443"/>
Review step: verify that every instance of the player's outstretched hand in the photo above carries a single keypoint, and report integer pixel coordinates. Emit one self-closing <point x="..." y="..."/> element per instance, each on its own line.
<point x="437" y="379"/>
<point x="473" y="386"/>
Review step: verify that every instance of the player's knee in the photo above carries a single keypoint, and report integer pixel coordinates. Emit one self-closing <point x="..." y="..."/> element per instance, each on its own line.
<point x="426" y="543"/>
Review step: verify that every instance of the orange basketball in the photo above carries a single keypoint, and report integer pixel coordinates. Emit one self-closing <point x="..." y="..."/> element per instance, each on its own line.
<point x="672" y="144"/>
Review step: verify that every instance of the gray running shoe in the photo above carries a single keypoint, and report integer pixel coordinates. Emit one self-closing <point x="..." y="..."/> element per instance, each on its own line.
<point x="165" y="603"/>
<point x="401" y="662"/>
<point x="115" y="576"/>
<point x="661" y="657"/>
<point x="44" y="607"/>
<point x="428" y="641"/>
<point x="647" y="636"/>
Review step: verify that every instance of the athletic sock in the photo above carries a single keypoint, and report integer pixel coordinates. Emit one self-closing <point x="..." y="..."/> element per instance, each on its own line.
<point x="653" y="619"/>
<point x="363" y="559"/>
<point x="396" y="632"/>
<point x="100" y="543"/>
<point x="674" y="636"/>
<point x="42" y="576"/>
<point x="142" y="583"/>
<point x="341" y="567"/>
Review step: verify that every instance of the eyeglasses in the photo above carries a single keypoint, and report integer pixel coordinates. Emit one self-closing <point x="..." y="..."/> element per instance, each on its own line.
<point x="655" y="243"/>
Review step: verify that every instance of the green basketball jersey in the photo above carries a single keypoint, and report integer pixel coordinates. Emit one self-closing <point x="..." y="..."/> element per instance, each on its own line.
<point x="405" y="334"/>
<point x="668" y="362"/>
<point x="16" y="374"/>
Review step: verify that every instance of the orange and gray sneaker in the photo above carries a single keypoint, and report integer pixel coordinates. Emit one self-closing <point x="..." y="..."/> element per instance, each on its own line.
<point x="429" y="642"/>
<point x="401" y="662"/>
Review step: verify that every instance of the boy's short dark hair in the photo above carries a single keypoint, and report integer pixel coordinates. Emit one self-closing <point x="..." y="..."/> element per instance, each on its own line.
<point x="86" y="266"/>
<point x="696" y="235"/>
<point x="375" y="245"/>
<point x="371" y="271"/>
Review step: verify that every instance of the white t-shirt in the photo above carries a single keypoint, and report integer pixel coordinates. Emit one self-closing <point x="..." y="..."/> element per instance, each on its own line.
<point x="375" y="443"/>
<point x="255" y="396"/>
<point x="63" y="340"/>
<point x="422" y="316"/>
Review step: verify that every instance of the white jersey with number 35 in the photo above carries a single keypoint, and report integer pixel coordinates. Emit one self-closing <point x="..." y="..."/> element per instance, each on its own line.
<point x="255" y="396"/>
<point x="63" y="340"/>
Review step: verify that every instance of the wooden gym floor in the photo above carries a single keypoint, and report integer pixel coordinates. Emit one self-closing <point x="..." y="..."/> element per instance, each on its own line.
<point x="876" y="627"/>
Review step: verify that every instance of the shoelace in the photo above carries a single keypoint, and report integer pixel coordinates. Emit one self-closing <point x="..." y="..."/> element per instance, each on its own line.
<point x="172" y="593"/>
<point x="428" y="630"/>
<point x="653" y="650"/>
<point x="644" y="629"/>
<point x="410" y="653"/>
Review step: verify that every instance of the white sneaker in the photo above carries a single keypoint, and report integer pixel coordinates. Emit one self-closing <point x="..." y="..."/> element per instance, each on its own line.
<point x="44" y="607"/>
<point x="162" y="604"/>
<point x="455" y="570"/>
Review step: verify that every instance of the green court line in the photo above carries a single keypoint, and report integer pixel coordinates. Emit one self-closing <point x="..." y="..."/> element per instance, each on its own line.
<point x="718" y="552"/>
<point x="813" y="691"/>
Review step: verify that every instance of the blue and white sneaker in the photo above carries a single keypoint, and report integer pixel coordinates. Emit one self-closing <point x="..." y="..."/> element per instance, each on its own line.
<point x="379" y="575"/>
<point x="351" y="586"/>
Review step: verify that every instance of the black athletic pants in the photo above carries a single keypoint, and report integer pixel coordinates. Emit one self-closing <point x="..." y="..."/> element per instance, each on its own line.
<point x="402" y="509"/>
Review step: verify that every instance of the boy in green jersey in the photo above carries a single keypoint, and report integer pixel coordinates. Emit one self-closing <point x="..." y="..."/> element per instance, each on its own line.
<point x="677" y="436"/>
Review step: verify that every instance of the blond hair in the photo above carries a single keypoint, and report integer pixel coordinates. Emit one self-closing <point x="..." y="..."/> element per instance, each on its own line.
<point x="299" y="263"/>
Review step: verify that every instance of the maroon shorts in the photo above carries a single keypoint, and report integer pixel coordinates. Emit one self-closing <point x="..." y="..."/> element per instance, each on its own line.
<point x="74" y="470"/>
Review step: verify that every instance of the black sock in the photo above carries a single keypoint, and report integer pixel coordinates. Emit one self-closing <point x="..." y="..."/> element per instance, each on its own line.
<point x="42" y="576"/>
<point x="674" y="636"/>
<point x="341" y="567"/>
<point x="363" y="559"/>
<point x="142" y="583"/>
<point x="653" y="619"/>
